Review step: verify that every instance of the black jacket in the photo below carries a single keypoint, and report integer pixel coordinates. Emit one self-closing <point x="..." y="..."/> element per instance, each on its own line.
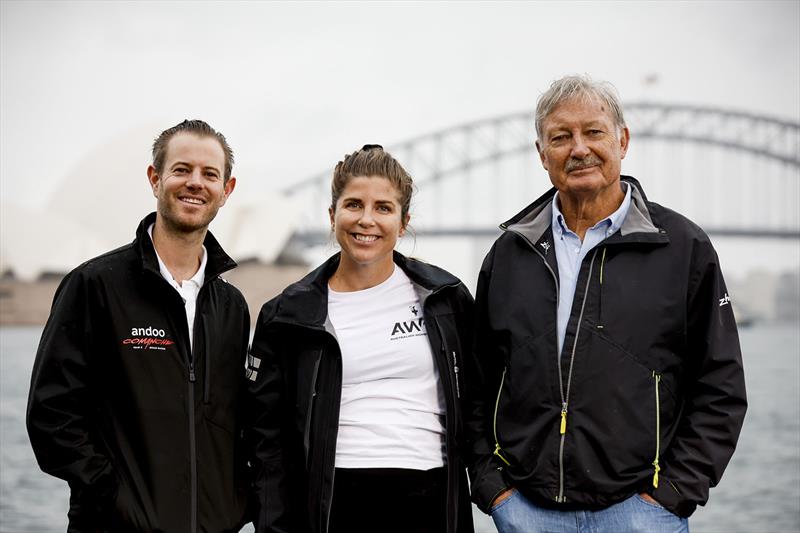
<point x="296" y="373"/>
<point x="143" y="429"/>
<point x="649" y="381"/>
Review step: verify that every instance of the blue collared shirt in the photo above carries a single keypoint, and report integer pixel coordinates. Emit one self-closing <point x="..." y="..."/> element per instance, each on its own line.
<point x="570" y="252"/>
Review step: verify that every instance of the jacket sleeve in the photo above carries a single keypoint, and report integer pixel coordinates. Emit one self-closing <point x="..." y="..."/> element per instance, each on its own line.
<point x="61" y="413"/>
<point x="715" y="400"/>
<point x="485" y="469"/>
<point x="267" y="410"/>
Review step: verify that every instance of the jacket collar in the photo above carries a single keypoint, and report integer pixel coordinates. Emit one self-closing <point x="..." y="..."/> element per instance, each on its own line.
<point x="305" y="302"/>
<point x="534" y="221"/>
<point x="218" y="261"/>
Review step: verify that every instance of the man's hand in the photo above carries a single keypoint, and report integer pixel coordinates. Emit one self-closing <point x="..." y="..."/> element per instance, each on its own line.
<point x="645" y="497"/>
<point x="502" y="496"/>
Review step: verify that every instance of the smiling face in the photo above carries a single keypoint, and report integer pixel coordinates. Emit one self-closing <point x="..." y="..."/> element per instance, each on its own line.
<point x="582" y="149"/>
<point x="367" y="222"/>
<point x="190" y="188"/>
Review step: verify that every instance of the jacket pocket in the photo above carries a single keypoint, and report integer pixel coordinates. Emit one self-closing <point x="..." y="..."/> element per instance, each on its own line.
<point x="525" y="411"/>
<point x="616" y="400"/>
<point x="128" y="514"/>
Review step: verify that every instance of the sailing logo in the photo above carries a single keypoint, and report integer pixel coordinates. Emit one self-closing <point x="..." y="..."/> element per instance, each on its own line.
<point x="148" y="338"/>
<point x="545" y="246"/>
<point x="408" y="328"/>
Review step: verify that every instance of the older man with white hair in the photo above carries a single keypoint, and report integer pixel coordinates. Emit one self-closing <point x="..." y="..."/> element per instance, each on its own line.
<point x="613" y="389"/>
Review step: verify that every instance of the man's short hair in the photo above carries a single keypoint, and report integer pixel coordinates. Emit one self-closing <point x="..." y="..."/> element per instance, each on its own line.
<point x="199" y="128"/>
<point x="578" y="86"/>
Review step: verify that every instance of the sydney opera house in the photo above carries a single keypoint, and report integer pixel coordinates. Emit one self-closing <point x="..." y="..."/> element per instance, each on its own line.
<point x="97" y="206"/>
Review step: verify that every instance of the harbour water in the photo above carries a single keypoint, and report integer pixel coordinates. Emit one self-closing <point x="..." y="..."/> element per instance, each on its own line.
<point x="760" y="492"/>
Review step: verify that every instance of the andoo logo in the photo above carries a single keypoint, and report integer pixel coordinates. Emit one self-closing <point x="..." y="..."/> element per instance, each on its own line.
<point x="148" y="331"/>
<point x="148" y="338"/>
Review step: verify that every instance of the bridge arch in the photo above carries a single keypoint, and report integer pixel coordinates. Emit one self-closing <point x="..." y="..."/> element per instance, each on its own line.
<point x="700" y="151"/>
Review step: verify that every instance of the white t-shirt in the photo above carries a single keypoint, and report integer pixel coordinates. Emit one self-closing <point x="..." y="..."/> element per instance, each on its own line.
<point x="188" y="289"/>
<point x="392" y="407"/>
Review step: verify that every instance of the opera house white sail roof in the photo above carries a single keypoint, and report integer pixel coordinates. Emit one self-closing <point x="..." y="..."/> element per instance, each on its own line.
<point x="98" y="204"/>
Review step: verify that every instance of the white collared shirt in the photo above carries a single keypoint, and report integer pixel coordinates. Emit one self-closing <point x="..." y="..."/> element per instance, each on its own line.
<point x="188" y="289"/>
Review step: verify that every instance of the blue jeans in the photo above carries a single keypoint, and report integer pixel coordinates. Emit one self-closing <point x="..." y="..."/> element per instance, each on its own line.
<point x="516" y="514"/>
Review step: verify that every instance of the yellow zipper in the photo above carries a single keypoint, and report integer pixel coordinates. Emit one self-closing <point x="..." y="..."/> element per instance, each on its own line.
<point x="497" y="448"/>
<point x="656" y="466"/>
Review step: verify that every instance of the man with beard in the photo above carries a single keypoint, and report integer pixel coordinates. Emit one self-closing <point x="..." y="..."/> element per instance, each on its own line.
<point x="137" y="381"/>
<point x="614" y="390"/>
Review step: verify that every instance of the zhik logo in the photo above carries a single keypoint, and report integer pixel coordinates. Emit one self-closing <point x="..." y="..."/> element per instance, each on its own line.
<point x="545" y="246"/>
<point x="148" y="338"/>
<point x="725" y="300"/>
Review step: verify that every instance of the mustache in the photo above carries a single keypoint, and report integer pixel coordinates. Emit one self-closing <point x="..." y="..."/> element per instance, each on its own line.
<point x="586" y="162"/>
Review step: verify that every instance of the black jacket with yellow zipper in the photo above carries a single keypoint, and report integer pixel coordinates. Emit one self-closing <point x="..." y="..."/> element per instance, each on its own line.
<point x="648" y="393"/>
<point x="295" y="370"/>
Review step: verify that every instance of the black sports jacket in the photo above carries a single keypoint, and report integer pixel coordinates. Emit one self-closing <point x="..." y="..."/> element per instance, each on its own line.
<point x="143" y="429"/>
<point x="648" y="393"/>
<point x="296" y="380"/>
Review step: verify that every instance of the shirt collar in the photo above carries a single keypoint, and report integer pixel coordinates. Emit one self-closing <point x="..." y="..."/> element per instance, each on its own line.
<point x="199" y="276"/>
<point x="612" y="221"/>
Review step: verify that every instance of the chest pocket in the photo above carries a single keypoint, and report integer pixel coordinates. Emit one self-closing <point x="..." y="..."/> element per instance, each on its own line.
<point x="219" y="358"/>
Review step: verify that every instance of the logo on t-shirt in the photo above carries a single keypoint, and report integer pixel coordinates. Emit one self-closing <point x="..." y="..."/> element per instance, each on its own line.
<point x="148" y="338"/>
<point x="409" y="328"/>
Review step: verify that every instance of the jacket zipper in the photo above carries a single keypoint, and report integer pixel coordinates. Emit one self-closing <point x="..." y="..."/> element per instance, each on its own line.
<point x="192" y="449"/>
<point x="326" y="447"/>
<point x="451" y="472"/>
<point x="443" y="349"/>
<point x="455" y="374"/>
<point x="565" y="394"/>
<point x="207" y="347"/>
<point x="192" y="430"/>
<point x="497" y="449"/>
<point x="311" y="400"/>
<point x="656" y="466"/>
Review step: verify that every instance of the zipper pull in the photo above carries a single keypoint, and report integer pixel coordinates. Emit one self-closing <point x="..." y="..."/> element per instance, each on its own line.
<point x="498" y="454"/>
<point x="563" y="428"/>
<point x="192" y="377"/>
<point x="655" y="475"/>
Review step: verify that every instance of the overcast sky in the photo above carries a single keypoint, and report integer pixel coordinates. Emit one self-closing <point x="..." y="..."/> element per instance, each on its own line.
<point x="294" y="86"/>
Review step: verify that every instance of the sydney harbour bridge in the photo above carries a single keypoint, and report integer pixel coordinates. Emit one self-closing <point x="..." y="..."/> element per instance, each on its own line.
<point x="734" y="173"/>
